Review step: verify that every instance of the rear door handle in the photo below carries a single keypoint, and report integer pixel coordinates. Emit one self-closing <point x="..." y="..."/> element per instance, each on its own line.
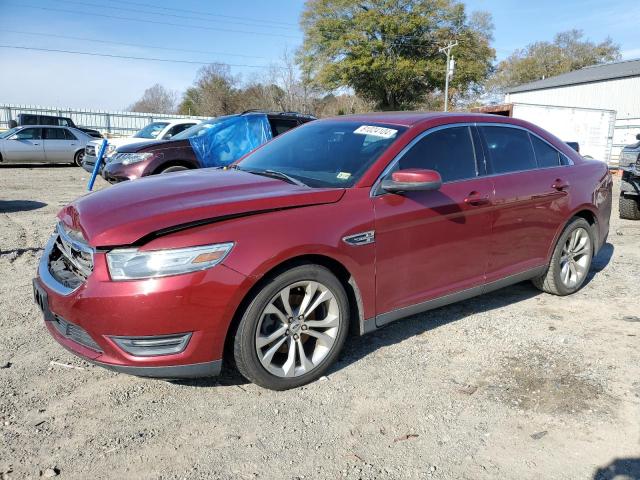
<point x="560" y="185"/>
<point x="475" y="199"/>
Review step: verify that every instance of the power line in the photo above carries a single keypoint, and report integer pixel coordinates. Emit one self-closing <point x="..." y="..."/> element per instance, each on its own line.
<point x="137" y="10"/>
<point x="95" y="40"/>
<point x="127" y="2"/>
<point x="129" y="57"/>
<point x="157" y="22"/>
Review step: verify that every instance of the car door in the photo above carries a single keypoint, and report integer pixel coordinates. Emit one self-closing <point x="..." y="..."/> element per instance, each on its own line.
<point x="24" y="146"/>
<point x="58" y="147"/>
<point x="531" y="198"/>
<point x="433" y="243"/>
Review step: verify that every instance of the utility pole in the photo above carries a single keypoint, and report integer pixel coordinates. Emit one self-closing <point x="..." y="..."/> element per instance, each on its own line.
<point x="449" y="71"/>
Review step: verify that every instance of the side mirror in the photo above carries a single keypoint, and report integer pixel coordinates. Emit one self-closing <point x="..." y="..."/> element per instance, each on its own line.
<point x="638" y="136"/>
<point x="412" y="179"/>
<point x="167" y="136"/>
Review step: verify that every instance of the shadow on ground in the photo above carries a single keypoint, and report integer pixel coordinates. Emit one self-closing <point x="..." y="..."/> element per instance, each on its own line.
<point x="12" y="206"/>
<point x="619" y="469"/>
<point x="359" y="347"/>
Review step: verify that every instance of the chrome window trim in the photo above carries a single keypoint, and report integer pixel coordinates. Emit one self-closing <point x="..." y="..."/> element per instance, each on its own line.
<point x="376" y="185"/>
<point x="374" y="192"/>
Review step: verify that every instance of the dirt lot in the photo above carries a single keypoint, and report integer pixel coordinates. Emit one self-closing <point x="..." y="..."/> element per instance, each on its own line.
<point x="515" y="384"/>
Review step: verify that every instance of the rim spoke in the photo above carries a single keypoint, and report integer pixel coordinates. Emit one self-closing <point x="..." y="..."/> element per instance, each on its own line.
<point x="323" y="297"/>
<point x="263" y="341"/>
<point x="565" y="273"/>
<point x="271" y="308"/>
<point x="304" y="361"/>
<point x="284" y="296"/>
<point x="272" y="351"/>
<point x="289" y="367"/>
<point x="574" y="273"/>
<point x="323" y="339"/>
<point x="309" y="293"/>
<point x="331" y="320"/>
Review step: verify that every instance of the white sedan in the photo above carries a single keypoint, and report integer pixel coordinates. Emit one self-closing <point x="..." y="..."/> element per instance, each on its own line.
<point x="43" y="144"/>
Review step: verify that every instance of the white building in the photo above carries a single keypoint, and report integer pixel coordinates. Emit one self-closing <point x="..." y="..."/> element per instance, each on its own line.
<point x="612" y="86"/>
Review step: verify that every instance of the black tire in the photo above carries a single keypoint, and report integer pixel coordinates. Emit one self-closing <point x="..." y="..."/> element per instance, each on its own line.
<point x="244" y="343"/>
<point x="550" y="281"/>
<point x="78" y="157"/>
<point x="629" y="208"/>
<point x="174" y="168"/>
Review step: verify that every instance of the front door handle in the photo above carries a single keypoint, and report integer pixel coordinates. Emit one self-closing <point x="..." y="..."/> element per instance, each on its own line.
<point x="475" y="199"/>
<point x="560" y="185"/>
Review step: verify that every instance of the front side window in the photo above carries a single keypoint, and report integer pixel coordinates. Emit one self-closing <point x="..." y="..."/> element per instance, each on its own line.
<point x="176" y="129"/>
<point x="28" y="134"/>
<point x="325" y="154"/>
<point x="509" y="149"/>
<point x="546" y="155"/>
<point x="152" y="130"/>
<point x="448" y="151"/>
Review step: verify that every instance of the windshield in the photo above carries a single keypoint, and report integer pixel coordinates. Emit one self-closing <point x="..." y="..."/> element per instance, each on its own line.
<point x="9" y="132"/>
<point x="200" y="128"/>
<point x="326" y="153"/>
<point x="152" y="130"/>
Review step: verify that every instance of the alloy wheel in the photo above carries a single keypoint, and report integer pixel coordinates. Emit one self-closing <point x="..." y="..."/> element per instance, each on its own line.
<point x="575" y="258"/>
<point x="297" y="329"/>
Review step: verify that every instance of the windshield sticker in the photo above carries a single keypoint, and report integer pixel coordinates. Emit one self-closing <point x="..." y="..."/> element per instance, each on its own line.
<point x="343" y="175"/>
<point x="381" y="132"/>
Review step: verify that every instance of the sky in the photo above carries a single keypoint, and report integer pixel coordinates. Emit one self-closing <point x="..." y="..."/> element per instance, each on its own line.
<point x="248" y="34"/>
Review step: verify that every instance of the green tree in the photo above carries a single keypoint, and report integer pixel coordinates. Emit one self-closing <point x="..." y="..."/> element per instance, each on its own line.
<point x="567" y="52"/>
<point x="387" y="50"/>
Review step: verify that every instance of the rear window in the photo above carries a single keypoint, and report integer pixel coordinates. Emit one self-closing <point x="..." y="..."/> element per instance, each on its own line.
<point x="509" y="149"/>
<point x="546" y="155"/>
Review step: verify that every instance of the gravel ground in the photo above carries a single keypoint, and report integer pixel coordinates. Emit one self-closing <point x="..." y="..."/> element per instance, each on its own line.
<point x="514" y="384"/>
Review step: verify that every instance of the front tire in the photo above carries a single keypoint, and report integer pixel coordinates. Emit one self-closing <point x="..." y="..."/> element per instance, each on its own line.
<point x="174" y="168"/>
<point x="629" y="208"/>
<point x="78" y="157"/>
<point x="293" y="329"/>
<point x="570" y="261"/>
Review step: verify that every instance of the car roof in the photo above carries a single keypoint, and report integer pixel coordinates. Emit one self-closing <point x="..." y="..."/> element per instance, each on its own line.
<point x="176" y="121"/>
<point x="409" y="119"/>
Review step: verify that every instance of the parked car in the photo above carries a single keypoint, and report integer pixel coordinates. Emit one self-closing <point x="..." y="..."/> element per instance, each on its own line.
<point x="345" y="223"/>
<point x="160" y="130"/>
<point x="629" y="201"/>
<point x="25" y="119"/>
<point x="43" y="144"/>
<point x="218" y="142"/>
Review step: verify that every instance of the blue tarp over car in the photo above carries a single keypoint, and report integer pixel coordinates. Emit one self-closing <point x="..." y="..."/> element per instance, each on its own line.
<point x="222" y="141"/>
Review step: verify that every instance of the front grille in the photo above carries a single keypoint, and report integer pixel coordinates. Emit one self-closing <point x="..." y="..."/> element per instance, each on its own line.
<point x="71" y="258"/>
<point x="75" y="333"/>
<point x="90" y="150"/>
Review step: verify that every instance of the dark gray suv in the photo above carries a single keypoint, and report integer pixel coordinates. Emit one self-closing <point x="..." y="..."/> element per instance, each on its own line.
<point x="630" y="185"/>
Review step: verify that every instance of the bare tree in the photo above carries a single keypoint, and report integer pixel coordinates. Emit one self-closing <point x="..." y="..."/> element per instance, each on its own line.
<point x="156" y="99"/>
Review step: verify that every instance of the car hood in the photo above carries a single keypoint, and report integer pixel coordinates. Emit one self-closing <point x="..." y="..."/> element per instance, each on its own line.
<point x="126" y="213"/>
<point x="154" y="145"/>
<point x="119" y="142"/>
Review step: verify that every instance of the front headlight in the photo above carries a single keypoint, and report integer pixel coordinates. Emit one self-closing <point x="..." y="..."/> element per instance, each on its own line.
<point x="133" y="264"/>
<point x="129" y="158"/>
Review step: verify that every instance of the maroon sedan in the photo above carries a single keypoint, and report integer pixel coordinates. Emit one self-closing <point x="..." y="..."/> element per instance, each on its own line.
<point x="351" y="222"/>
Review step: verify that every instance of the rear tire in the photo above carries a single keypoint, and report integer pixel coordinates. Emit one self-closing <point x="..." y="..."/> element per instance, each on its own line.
<point x="77" y="159"/>
<point x="282" y="345"/>
<point x="174" y="168"/>
<point x="570" y="261"/>
<point x="629" y="208"/>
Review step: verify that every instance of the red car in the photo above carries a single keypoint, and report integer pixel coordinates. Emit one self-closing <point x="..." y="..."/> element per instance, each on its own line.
<point x="344" y="223"/>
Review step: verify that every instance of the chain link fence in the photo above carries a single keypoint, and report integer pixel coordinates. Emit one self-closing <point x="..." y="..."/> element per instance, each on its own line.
<point x="114" y="124"/>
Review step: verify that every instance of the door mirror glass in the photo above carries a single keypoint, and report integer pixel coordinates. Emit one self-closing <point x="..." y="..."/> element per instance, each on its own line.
<point x="412" y="179"/>
<point x="638" y="136"/>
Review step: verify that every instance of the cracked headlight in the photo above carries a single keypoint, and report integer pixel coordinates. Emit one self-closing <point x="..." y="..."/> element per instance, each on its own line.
<point x="133" y="264"/>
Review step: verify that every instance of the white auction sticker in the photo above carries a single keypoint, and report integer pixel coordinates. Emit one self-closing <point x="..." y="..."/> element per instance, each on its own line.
<point x="376" y="131"/>
<point x="343" y="175"/>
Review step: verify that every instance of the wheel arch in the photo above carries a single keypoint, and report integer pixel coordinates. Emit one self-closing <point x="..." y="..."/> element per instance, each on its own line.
<point x="174" y="163"/>
<point x="356" y="313"/>
<point x="585" y="212"/>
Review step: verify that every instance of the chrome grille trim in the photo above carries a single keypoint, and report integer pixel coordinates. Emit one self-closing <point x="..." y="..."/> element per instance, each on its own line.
<point x="66" y="262"/>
